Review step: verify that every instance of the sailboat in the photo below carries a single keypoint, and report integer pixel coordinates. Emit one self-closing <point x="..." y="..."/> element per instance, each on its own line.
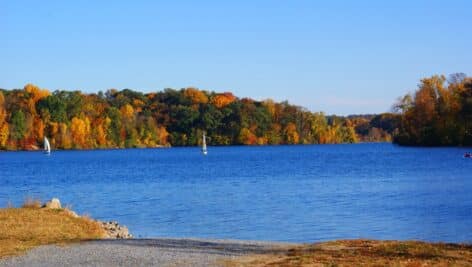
<point x="204" y="146"/>
<point x="47" y="146"/>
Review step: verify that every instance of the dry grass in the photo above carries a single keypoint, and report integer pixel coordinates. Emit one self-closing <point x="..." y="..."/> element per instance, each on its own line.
<point x="365" y="253"/>
<point x="30" y="226"/>
<point x="30" y="203"/>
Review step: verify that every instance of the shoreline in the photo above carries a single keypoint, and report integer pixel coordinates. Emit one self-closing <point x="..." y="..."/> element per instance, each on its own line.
<point x="238" y="145"/>
<point x="60" y="237"/>
<point x="170" y="146"/>
<point x="231" y="253"/>
<point x="145" y="252"/>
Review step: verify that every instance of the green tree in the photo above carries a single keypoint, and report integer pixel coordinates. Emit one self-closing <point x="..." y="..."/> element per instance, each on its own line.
<point x="52" y="107"/>
<point x="18" y="123"/>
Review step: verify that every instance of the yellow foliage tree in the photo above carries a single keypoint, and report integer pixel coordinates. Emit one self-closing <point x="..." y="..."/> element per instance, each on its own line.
<point x="66" y="141"/>
<point x="162" y="135"/>
<point x="270" y="105"/>
<point x="36" y="93"/>
<point x="4" y="128"/>
<point x="196" y="96"/>
<point x="127" y="112"/>
<point x="246" y="137"/>
<point x="261" y="140"/>
<point x="3" y="112"/>
<point x="291" y="134"/>
<point x="53" y="130"/>
<point x="101" y="136"/>
<point x="38" y="129"/>
<point x="80" y="130"/>
<point x="331" y="136"/>
<point x="4" y="134"/>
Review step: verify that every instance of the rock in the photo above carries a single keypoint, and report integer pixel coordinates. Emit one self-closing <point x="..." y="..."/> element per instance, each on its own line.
<point x="112" y="229"/>
<point x="71" y="213"/>
<point x="115" y="231"/>
<point x="53" y="204"/>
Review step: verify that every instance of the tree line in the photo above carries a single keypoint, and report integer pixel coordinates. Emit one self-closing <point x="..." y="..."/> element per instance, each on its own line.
<point x="438" y="113"/>
<point x="127" y="118"/>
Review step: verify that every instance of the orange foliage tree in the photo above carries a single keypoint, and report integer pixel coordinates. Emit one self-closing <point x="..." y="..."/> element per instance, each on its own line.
<point x="291" y="134"/>
<point x="246" y="137"/>
<point x="222" y="100"/>
<point x="195" y="96"/>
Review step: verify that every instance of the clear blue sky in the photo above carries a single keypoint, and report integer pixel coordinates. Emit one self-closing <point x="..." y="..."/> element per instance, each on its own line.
<point x="340" y="57"/>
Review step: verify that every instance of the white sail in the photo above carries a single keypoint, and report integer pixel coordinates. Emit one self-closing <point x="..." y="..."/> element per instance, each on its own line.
<point x="204" y="146"/>
<point x="47" y="146"/>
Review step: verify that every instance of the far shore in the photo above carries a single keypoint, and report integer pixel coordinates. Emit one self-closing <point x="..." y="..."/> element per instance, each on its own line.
<point x="197" y="147"/>
<point x="38" y="149"/>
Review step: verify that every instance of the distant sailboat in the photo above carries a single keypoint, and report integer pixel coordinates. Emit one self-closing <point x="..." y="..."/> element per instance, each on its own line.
<point x="204" y="146"/>
<point x="47" y="146"/>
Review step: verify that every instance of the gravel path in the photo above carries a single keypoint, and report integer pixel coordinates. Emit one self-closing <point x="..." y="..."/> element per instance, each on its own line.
<point x="143" y="252"/>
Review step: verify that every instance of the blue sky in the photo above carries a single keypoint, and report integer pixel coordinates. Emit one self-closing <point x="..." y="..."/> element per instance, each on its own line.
<point x="341" y="57"/>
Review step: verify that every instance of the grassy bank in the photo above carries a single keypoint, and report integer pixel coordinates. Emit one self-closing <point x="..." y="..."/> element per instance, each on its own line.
<point x="31" y="226"/>
<point x="365" y="253"/>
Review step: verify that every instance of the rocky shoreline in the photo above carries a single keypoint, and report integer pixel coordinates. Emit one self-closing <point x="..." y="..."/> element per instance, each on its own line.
<point x="114" y="247"/>
<point x="113" y="230"/>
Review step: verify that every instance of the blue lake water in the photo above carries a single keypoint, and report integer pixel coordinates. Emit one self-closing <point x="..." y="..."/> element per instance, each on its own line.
<point x="285" y="193"/>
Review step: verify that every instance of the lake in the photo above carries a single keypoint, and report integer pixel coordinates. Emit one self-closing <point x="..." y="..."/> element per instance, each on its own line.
<point x="284" y="193"/>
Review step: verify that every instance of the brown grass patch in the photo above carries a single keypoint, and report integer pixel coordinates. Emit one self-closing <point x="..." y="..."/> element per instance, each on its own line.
<point x="30" y="226"/>
<point x="365" y="253"/>
<point x="31" y="203"/>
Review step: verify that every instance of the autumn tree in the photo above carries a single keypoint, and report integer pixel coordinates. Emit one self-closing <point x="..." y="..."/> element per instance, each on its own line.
<point x="4" y="128"/>
<point x="114" y="125"/>
<point x="195" y="96"/>
<point x="246" y="137"/>
<point x="127" y="118"/>
<point x="222" y="100"/>
<point x="436" y="114"/>
<point x="319" y="128"/>
<point x="291" y="134"/>
<point x="79" y="130"/>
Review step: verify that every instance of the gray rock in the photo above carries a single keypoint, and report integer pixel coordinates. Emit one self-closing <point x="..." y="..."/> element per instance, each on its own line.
<point x="112" y="229"/>
<point x="115" y="231"/>
<point x="53" y="204"/>
<point x="71" y="213"/>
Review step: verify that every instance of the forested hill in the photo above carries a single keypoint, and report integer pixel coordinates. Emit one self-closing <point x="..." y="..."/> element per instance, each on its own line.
<point x="438" y="113"/>
<point x="127" y="118"/>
